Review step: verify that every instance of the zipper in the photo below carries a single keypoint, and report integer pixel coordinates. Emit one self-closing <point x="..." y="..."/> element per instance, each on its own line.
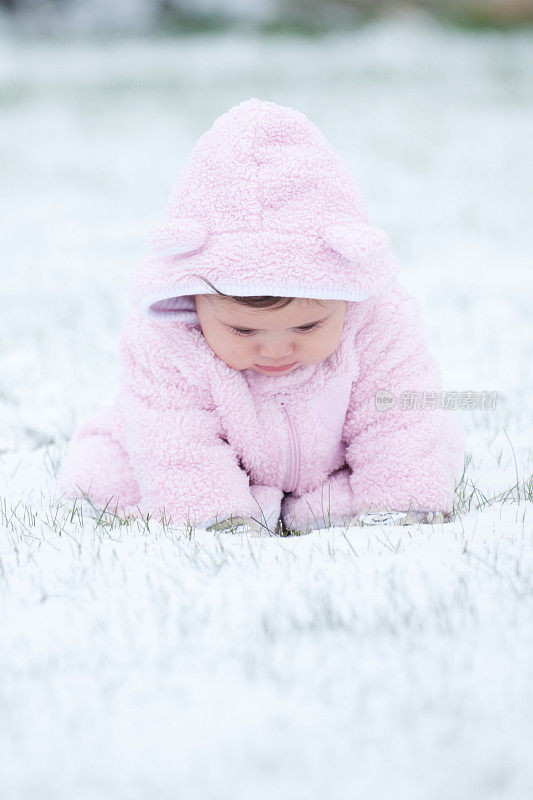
<point x="293" y="469"/>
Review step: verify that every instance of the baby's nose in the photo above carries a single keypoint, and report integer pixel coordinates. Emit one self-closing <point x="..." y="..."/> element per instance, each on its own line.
<point x="276" y="347"/>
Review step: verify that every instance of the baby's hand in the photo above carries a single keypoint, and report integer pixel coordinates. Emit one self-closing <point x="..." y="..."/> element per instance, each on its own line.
<point x="401" y="518"/>
<point x="240" y="525"/>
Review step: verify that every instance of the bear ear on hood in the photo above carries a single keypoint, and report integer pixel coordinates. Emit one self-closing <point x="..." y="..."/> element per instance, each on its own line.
<point x="364" y="244"/>
<point x="180" y="236"/>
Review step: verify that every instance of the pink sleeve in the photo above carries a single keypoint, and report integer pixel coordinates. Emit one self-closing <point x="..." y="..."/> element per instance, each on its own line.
<point x="400" y="458"/>
<point x="186" y="471"/>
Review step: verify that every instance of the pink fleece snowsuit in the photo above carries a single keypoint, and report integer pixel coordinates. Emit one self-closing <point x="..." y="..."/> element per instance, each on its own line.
<point x="264" y="206"/>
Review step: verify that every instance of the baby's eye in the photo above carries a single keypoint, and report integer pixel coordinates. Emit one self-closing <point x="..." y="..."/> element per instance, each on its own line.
<point x="243" y="331"/>
<point x="307" y="328"/>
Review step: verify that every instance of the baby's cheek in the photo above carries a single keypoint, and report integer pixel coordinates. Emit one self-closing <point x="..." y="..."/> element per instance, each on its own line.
<point x="321" y="348"/>
<point x="332" y="341"/>
<point x="223" y="348"/>
<point x="237" y="355"/>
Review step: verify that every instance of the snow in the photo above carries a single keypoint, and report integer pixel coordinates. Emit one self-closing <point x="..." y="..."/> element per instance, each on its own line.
<point x="155" y="662"/>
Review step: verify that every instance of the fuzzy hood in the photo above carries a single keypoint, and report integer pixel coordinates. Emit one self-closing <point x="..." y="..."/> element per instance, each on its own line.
<point x="264" y="206"/>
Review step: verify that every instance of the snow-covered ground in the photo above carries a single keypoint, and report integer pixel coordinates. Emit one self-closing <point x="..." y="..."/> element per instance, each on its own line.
<point x="163" y="663"/>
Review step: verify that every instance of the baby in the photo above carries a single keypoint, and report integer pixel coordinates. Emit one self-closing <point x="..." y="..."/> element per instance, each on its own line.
<point x="268" y="324"/>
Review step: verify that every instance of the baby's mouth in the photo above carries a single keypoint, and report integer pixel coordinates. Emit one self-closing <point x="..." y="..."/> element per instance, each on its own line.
<point x="281" y="368"/>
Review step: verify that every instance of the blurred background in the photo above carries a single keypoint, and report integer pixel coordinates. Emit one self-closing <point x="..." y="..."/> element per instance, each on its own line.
<point x="302" y="16"/>
<point x="429" y="103"/>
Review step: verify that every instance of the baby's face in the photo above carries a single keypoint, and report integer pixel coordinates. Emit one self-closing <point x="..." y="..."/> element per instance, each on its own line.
<point x="272" y="341"/>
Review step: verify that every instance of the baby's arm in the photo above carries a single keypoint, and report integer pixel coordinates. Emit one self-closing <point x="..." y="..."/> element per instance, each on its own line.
<point x="400" y="459"/>
<point x="185" y="469"/>
<point x="332" y="504"/>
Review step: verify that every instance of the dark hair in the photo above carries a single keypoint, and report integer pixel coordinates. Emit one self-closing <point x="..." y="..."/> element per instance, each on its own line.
<point x="260" y="301"/>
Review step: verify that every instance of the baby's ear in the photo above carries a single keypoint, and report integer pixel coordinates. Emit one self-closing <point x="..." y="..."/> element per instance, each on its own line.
<point x="365" y="244"/>
<point x="181" y="235"/>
